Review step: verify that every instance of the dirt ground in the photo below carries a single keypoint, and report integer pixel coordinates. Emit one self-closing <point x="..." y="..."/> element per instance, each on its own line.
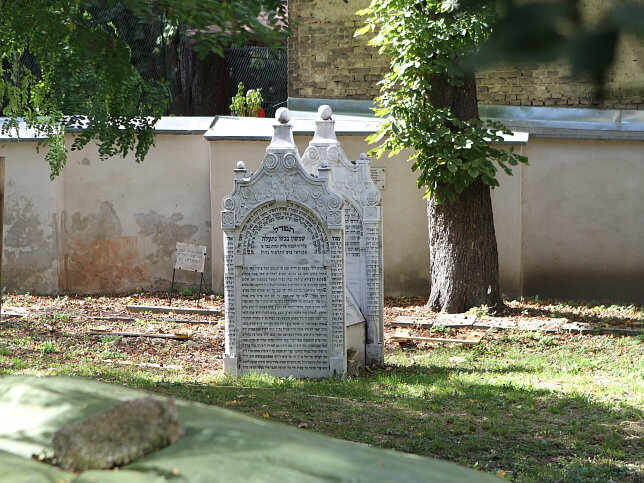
<point x="104" y="328"/>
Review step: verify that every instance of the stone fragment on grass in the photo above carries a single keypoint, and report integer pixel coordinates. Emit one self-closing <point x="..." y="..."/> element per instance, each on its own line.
<point x="117" y="436"/>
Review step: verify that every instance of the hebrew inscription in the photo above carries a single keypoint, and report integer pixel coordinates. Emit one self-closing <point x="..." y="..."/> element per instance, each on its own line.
<point x="284" y="287"/>
<point x="284" y="279"/>
<point x="359" y="184"/>
<point x="190" y="257"/>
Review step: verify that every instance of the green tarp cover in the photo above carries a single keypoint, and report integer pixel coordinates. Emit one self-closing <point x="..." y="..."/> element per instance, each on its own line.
<point x="219" y="445"/>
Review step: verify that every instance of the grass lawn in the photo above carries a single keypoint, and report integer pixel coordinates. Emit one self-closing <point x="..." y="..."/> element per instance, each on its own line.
<point x="528" y="406"/>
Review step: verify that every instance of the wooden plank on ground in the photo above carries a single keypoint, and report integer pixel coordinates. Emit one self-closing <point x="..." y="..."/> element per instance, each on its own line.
<point x="474" y="338"/>
<point x="107" y="331"/>
<point x="177" y="310"/>
<point x="132" y="319"/>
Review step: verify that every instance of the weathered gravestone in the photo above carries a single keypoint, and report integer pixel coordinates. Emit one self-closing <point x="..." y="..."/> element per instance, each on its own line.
<point x="363" y="227"/>
<point x="284" y="267"/>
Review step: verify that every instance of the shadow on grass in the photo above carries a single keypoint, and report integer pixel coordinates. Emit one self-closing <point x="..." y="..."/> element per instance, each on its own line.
<point x="531" y="434"/>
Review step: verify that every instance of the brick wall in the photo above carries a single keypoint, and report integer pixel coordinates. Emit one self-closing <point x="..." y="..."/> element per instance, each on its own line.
<point x="327" y="62"/>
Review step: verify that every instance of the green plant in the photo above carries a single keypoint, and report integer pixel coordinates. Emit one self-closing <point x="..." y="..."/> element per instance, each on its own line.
<point x="481" y="311"/>
<point x="106" y="339"/>
<point x="18" y="364"/>
<point x="249" y="104"/>
<point x="425" y="43"/>
<point x="48" y="347"/>
<point x="186" y="292"/>
<point x="61" y="317"/>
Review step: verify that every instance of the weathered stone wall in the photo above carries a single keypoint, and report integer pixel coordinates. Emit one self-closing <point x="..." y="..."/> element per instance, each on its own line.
<point x="327" y="62"/>
<point x="104" y="227"/>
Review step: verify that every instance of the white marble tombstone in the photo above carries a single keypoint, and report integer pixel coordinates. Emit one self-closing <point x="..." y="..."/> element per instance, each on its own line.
<point x="363" y="227"/>
<point x="284" y="267"/>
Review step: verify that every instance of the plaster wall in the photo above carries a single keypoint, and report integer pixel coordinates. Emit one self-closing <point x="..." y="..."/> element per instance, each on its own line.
<point x="105" y="226"/>
<point x="569" y="225"/>
<point x="582" y="219"/>
<point x="405" y="242"/>
<point x="31" y="243"/>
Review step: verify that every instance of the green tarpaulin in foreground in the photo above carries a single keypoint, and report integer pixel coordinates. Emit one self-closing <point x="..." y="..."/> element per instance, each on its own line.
<point x="219" y="445"/>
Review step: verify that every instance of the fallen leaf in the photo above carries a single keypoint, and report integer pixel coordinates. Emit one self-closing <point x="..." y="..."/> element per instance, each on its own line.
<point x="266" y="415"/>
<point x="303" y="425"/>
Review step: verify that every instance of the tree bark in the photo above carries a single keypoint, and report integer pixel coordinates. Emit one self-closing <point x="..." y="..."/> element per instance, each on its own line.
<point x="463" y="254"/>
<point x="464" y="262"/>
<point x="204" y="83"/>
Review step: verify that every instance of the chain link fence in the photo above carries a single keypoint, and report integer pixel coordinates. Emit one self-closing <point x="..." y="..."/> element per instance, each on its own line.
<point x="161" y="53"/>
<point x="259" y="68"/>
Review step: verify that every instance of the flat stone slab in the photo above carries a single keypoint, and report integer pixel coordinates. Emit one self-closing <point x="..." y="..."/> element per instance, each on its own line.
<point x="616" y="331"/>
<point x="178" y="310"/>
<point x="580" y="327"/>
<point x="456" y="320"/>
<point x="16" y="311"/>
<point x="407" y="321"/>
<point x="495" y="323"/>
<point x="547" y="325"/>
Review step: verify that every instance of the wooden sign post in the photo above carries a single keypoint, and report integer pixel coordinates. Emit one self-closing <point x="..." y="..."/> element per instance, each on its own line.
<point x="191" y="258"/>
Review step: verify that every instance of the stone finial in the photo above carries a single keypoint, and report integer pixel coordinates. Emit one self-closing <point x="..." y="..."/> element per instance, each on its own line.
<point x="324" y="128"/>
<point x="282" y="132"/>
<point x="283" y="115"/>
<point x="240" y="171"/>
<point x="325" y="112"/>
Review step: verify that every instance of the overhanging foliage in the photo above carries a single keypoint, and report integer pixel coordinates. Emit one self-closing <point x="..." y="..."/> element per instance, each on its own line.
<point x="425" y="42"/>
<point x="61" y="69"/>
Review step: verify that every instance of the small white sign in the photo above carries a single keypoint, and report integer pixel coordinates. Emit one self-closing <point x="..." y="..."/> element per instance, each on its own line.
<point x="378" y="177"/>
<point x="190" y="257"/>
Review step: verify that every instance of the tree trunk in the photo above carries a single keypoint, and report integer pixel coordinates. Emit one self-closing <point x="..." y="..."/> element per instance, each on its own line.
<point x="462" y="249"/>
<point x="204" y="83"/>
<point x="463" y="255"/>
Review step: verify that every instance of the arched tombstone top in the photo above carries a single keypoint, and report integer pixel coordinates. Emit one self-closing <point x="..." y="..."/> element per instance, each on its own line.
<point x="352" y="180"/>
<point x="282" y="177"/>
<point x="284" y="266"/>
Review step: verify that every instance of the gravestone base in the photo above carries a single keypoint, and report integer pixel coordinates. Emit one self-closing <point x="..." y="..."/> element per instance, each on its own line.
<point x="355" y="340"/>
<point x="374" y="354"/>
<point x="337" y="366"/>
<point x="231" y="366"/>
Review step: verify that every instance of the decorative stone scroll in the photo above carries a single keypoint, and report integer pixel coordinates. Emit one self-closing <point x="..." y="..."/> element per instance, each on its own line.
<point x="284" y="267"/>
<point x="363" y="226"/>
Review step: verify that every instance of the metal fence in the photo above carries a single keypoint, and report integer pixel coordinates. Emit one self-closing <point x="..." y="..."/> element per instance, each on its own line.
<point x="259" y="68"/>
<point x="158" y="51"/>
